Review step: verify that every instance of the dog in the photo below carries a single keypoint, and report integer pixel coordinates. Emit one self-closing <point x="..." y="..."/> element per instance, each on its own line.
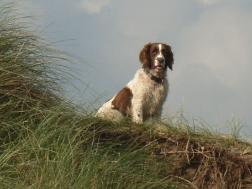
<point x="143" y="97"/>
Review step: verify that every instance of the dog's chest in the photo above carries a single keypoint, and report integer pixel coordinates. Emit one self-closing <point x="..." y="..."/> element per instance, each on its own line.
<point x="147" y="94"/>
<point x="153" y="98"/>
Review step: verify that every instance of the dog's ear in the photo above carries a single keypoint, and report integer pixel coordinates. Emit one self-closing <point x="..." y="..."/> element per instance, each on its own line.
<point x="144" y="56"/>
<point x="168" y="56"/>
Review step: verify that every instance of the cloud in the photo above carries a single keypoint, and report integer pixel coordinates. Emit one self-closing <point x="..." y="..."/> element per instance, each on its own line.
<point x="209" y="2"/>
<point x="94" y="6"/>
<point x="213" y="65"/>
<point x="221" y="40"/>
<point x="200" y="93"/>
<point x="147" y="21"/>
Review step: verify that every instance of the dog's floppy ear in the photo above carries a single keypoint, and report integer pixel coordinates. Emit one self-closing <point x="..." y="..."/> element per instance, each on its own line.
<point x="168" y="56"/>
<point x="144" y="56"/>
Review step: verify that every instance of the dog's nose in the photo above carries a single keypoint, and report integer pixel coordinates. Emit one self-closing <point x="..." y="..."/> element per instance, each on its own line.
<point x="160" y="59"/>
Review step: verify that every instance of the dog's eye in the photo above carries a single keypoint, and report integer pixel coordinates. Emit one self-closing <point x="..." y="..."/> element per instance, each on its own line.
<point x="165" y="52"/>
<point x="154" y="51"/>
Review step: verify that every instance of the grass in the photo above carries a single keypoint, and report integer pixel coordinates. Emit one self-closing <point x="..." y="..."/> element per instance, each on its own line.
<point x="46" y="142"/>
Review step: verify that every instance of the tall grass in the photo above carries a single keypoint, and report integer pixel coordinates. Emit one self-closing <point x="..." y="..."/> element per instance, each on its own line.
<point x="46" y="142"/>
<point x="28" y="85"/>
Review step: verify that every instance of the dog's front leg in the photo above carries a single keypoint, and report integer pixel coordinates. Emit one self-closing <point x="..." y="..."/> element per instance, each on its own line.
<point x="138" y="117"/>
<point x="137" y="113"/>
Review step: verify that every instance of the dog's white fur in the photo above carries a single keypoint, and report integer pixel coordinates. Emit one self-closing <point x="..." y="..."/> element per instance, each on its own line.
<point x="148" y="95"/>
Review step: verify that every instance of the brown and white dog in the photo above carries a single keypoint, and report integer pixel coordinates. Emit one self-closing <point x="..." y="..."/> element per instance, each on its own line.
<point x="143" y="97"/>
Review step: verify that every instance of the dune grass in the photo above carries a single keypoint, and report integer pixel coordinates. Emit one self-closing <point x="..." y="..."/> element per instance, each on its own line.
<point x="46" y="142"/>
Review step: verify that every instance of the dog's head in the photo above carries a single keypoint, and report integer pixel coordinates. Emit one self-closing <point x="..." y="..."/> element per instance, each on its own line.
<point x="156" y="57"/>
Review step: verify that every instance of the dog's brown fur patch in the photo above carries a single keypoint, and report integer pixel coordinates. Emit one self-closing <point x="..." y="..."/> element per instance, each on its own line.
<point x="122" y="101"/>
<point x="144" y="56"/>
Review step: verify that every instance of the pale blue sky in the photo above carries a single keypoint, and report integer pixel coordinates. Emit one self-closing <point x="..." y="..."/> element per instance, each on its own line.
<point x="211" y="40"/>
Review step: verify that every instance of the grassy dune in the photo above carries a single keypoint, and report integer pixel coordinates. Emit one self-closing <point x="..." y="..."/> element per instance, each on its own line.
<point x="46" y="142"/>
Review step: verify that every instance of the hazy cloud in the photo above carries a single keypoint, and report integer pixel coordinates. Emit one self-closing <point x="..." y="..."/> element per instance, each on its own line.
<point x="213" y="68"/>
<point x="209" y="2"/>
<point x="94" y="6"/>
<point x="221" y="40"/>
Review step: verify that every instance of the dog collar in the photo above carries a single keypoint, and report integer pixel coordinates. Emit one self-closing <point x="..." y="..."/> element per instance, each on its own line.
<point x="153" y="77"/>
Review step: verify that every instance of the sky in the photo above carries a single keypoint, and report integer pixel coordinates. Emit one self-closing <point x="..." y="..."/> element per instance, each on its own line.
<point x="211" y="41"/>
